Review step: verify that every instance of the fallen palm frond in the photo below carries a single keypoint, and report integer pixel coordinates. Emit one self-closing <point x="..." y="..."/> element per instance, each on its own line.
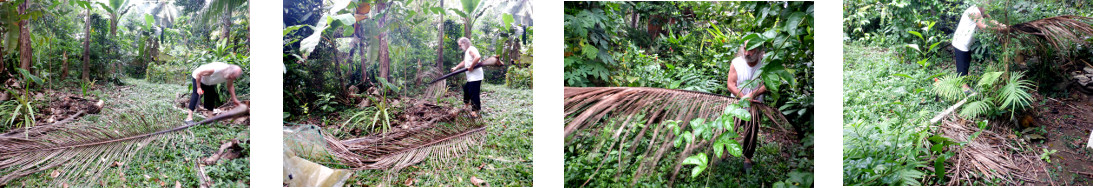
<point x="595" y="111"/>
<point x="424" y="138"/>
<point x="989" y="156"/>
<point x="81" y="153"/>
<point x="1059" y="31"/>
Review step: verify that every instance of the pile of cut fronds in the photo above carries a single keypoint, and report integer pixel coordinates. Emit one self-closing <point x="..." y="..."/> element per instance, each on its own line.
<point x="985" y="154"/>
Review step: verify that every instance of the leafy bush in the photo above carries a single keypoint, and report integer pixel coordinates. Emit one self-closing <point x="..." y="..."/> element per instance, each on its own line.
<point x="519" y="77"/>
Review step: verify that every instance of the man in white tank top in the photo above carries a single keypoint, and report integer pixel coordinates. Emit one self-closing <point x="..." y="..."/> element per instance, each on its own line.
<point x="204" y="80"/>
<point x="745" y="68"/>
<point x="473" y="88"/>
<point x="972" y="19"/>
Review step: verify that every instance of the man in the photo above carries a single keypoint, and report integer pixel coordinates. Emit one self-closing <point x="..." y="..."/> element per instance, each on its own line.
<point x="972" y="19"/>
<point x="744" y="69"/>
<point x="472" y="89"/>
<point x="205" y="78"/>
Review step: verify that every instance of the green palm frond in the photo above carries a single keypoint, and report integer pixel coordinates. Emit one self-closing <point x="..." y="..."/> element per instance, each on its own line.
<point x="976" y="108"/>
<point x="80" y="153"/>
<point x="949" y="87"/>
<point x="216" y="8"/>
<point x="989" y="79"/>
<point x="1015" y="94"/>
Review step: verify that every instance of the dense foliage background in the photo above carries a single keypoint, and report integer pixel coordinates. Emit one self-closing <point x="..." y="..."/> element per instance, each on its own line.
<point x="899" y="72"/>
<point x="689" y="45"/>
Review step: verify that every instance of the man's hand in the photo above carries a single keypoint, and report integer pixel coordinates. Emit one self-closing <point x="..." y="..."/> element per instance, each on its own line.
<point x="200" y="91"/>
<point x="453" y="68"/>
<point x="236" y="101"/>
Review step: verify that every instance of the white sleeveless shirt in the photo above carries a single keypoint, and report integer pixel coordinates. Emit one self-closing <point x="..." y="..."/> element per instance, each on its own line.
<point x="473" y="74"/>
<point x="745" y="73"/>
<point x="963" y="37"/>
<point x="220" y="73"/>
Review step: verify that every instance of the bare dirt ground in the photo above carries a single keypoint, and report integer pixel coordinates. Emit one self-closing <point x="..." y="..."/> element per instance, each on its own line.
<point x="1067" y="123"/>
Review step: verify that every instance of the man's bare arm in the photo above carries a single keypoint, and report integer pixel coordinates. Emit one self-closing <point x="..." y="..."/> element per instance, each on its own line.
<point x="474" y="61"/>
<point x="733" y="88"/>
<point x="198" y="80"/>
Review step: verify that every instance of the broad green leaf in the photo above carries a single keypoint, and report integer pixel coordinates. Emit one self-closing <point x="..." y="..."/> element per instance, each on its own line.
<point x="700" y="160"/>
<point x="589" y="51"/>
<point x="916" y="34"/>
<point x="903" y="75"/>
<point x="291" y="29"/>
<point x="793" y="21"/>
<point x="507" y="20"/>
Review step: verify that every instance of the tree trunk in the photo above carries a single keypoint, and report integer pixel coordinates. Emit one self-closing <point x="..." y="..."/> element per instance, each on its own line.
<point x="467" y="26"/>
<point x="634" y="18"/>
<point x="364" y="58"/>
<point x="440" y="43"/>
<point x="226" y="24"/>
<point x="64" y="65"/>
<point x="24" y="39"/>
<point x="385" y="61"/>
<point x="86" y="49"/>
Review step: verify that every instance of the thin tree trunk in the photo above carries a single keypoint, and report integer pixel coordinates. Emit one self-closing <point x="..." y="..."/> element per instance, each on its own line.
<point x="364" y="56"/>
<point x="86" y="48"/>
<point x="440" y="41"/>
<point x="24" y="39"/>
<point x="634" y="18"/>
<point x="64" y="65"/>
<point x="467" y="26"/>
<point x="385" y="61"/>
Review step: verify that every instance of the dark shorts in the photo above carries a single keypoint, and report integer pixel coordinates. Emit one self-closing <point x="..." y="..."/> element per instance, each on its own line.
<point x="471" y="94"/>
<point x="210" y="95"/>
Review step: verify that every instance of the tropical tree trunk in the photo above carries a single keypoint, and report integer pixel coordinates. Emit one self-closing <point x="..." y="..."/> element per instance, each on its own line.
<point x="64" y="65"/>
<point x="467" y="21"/>
<point x="440" y="41"/>
<point x="385" y="61"/>
<point x="24" y="39"/>
<point x="226" y="24"/>
<point x="86" y="48"/>
<point x="363" y="54"/>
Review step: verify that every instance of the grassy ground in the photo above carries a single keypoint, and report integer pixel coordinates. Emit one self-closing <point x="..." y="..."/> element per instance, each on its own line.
<point x="504" y="158"/>
<point x="165" y="163"/>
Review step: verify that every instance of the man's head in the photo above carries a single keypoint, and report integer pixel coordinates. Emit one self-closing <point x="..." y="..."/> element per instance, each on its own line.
<point x="234" y="72"/>
<point x="464" y="43"/>
<point x="754" y="55"/>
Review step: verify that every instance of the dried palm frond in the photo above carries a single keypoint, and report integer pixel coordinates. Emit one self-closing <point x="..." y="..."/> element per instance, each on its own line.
<point x="989" y="156"/>
<point x="400" y="148"/>
<point x="1059" y="31"/>
<point x="82" y="152"/>
<point x="620" y="111"/>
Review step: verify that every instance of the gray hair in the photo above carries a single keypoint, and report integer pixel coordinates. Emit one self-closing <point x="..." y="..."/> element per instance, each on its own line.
<point x="464" y="41"/>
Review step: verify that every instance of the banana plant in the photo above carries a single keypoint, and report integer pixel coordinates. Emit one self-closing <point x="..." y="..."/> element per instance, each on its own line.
<point x="116" y="8"/>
